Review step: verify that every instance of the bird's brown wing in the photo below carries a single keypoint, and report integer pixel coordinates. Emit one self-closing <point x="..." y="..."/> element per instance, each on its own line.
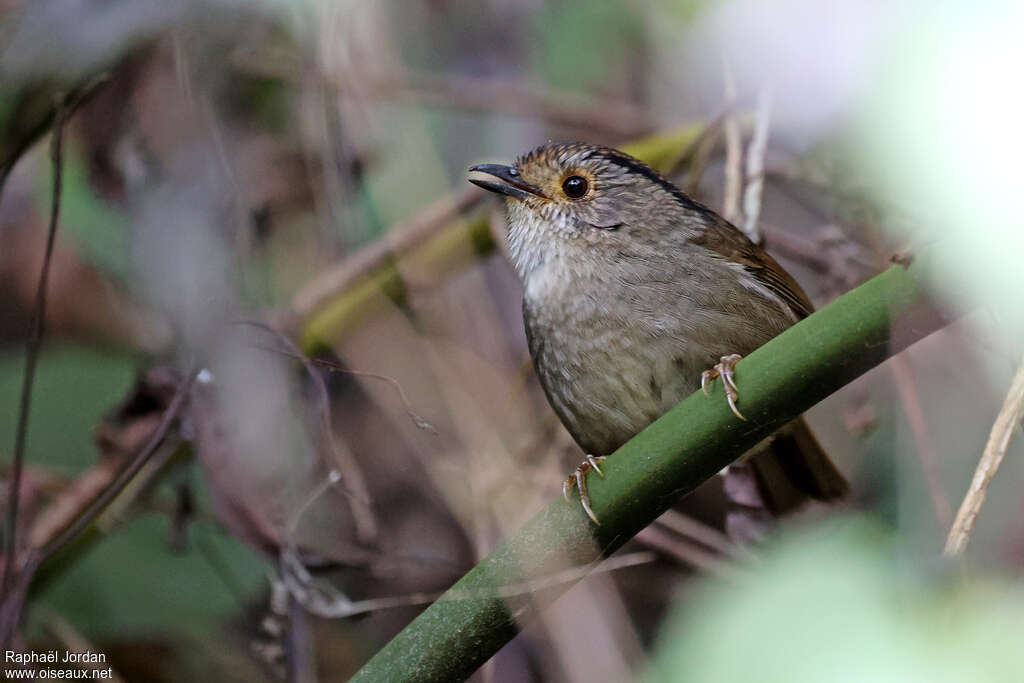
<point x="792" y="466"/>
<point x="723" y="238"/>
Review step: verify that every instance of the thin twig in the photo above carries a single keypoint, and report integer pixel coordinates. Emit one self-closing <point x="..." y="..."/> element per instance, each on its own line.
<point x="755" y="167"/>
<point x="72" y="499"/>
<point x="174" y="409"/>
<point x="300" y="645"/>
<point x="698" y="154"/>
<point x="417" y="419"/>
<point x="679" y="549"/>
<point x="33" y="343"/>
<point x="361" y="502"/>
<point x="332" y="604"/>
<point x="14" y="603"/>
<point x="688" y="157"/>
<point x="694" y="529"/>
<point x="40" y="118"/>
<point x="1006" y="423"/>
<point x="397" y="241"/>
<point x="329" y="482"/>
<point x="733" y="152"/>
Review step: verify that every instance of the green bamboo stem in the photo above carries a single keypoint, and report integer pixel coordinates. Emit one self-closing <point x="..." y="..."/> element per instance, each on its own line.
<point x="669" y="459"/>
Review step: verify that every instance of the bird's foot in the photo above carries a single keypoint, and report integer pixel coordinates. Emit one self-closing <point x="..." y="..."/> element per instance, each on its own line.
<point x="579" y="479"/>
<point x="724" y="369"/>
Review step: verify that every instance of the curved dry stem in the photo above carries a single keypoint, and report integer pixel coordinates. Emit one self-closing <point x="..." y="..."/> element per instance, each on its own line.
<point x="995" y="450"/>
<point x="33" y="344"/>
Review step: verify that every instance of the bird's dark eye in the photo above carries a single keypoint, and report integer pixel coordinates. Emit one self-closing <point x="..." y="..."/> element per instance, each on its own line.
<point x="575" y="186"/>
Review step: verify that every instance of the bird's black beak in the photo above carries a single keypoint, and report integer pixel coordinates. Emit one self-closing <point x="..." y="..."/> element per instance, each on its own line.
<point x="512" y="183"/>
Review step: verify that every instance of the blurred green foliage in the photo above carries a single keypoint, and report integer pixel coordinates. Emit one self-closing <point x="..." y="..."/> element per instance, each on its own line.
<point x="843" y="602"/>
<point x="582" y="46"/>
<point x="131" y="582"/>
<point x="74" y="387"/>
<point x="265" y="100"/>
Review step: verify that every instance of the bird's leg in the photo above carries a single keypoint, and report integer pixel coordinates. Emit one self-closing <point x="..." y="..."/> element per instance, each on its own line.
<point x="579" y="478"/>
<point x="724" y="369"/>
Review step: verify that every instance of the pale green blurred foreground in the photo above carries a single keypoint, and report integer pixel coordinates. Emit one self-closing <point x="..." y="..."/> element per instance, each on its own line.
<point x="842" y="603"/>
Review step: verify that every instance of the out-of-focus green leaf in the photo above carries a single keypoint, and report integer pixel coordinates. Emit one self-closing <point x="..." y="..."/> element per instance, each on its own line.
<point x="131" y="581"/>
<point x="74" y="387"/>
<point x="683" y="11"/>
<point x="840" y="604"/>
<point x="582" y="45"/>
<point x="264" y="100"/>
<point x="132" y="584"/>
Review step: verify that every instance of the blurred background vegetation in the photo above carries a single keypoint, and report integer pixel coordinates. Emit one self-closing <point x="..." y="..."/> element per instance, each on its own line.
<point x="301" y="165"/>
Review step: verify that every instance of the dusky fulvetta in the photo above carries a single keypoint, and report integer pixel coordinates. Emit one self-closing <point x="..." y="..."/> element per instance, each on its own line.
<point x="635" y="294"/>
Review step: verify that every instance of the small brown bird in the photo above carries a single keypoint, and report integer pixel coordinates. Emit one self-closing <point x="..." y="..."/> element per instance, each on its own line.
<point x="635" y="294"/>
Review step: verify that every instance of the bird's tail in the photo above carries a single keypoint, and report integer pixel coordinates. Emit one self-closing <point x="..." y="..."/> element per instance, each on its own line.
<point x="780" y="475"/>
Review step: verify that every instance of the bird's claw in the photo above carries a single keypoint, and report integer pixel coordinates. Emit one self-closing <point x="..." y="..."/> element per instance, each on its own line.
<point x="725" y="369"/>
<point x="579" y="479"/>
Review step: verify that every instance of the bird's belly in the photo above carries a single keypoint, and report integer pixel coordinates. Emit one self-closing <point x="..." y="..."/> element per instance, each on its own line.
<point x="607" y="387"/>
<point x="614" y="361"/>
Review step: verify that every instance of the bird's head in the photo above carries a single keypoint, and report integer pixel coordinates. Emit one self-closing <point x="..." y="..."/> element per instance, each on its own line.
<point x="564" y="196"/>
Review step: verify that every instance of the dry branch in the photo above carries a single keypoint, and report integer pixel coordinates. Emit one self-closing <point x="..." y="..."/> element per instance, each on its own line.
<point x="399" y="240"/>
<point x="1006" y="423"/>
<point x="733" y="152"/>
<point x="755" y="167"/>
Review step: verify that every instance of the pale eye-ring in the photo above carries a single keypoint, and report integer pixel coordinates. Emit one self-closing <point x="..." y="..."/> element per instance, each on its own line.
<point x="575" y="186"/>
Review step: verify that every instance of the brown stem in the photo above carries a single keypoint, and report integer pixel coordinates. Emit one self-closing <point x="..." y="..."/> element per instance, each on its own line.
<point x="33" y="343"/>
<point x="999" y="438"/>
<point x="400" y="239"/>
